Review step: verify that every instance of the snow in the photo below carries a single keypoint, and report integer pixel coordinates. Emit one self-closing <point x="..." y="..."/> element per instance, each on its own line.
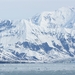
<point x="47" y="27"/>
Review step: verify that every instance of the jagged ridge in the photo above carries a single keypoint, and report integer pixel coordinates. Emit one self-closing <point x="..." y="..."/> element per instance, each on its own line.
<point x="46" y="37"/>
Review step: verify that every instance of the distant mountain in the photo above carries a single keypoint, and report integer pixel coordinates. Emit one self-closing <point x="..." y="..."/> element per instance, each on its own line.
<point x="46" y="37"/>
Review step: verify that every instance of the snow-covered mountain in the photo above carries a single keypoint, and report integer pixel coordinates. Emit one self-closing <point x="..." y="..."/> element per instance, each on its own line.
<point x="46" y="37"/>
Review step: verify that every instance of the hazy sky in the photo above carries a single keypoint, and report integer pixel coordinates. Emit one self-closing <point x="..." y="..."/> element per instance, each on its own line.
<point x="21" y="9"/>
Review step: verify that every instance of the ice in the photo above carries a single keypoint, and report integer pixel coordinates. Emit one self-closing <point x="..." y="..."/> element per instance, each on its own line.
<point x="37" y="69"/>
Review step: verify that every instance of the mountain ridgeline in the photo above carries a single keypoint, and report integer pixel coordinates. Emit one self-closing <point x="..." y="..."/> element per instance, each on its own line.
<point x="46" y="37"/>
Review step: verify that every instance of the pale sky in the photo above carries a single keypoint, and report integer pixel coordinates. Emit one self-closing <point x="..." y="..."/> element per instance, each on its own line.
<point x="23" y="9"/>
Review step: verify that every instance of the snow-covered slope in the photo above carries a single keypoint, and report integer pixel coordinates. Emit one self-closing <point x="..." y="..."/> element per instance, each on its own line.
<point x="46" y="37"/>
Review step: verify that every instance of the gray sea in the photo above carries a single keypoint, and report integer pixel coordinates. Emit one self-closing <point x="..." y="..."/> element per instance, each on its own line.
<point x="37" y="69"/>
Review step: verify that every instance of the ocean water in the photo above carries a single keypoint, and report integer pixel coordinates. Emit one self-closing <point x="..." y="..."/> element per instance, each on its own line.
<point x="37" y="69"/>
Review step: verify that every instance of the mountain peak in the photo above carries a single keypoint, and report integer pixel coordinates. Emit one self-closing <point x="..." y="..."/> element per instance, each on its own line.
<point x="65" y="15"/>
<point x="48" y="36"/>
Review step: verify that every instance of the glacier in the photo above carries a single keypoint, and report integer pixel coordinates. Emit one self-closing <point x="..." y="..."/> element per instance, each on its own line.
<point x="46" y="37"/>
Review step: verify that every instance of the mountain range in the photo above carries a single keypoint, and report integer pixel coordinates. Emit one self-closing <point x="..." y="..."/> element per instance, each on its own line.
<point x="46" y="37"/>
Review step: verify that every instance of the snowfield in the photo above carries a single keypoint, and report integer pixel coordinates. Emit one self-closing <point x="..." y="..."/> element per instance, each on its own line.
<point x="46" y="37"/>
